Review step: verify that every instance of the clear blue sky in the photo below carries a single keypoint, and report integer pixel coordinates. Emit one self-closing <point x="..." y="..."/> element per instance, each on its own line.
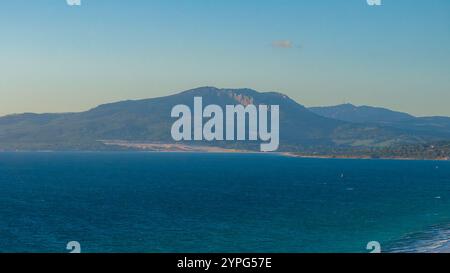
<point x="55" y="58"/>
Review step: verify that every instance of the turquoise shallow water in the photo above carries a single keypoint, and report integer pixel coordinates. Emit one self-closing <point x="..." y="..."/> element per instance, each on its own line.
<point x="181" y="202"/>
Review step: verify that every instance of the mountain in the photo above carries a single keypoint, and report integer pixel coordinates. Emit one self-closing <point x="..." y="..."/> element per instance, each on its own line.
<point x="433" y="126"/>
<point x="149" y="121"/>
<point x="362" y="114"/>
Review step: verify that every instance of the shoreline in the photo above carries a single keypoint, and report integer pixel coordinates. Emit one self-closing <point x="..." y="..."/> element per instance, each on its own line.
<point x="179" y="147"/>
<point x="291" y="154"/>
<point x="215" y="150"/>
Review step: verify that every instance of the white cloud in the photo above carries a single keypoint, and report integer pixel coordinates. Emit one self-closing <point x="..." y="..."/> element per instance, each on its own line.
<point x="283" y="44"/>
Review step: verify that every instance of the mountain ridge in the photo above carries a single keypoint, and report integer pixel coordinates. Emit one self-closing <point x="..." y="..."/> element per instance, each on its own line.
<point x="148" y="120"/>
<point x="439" y="125"/>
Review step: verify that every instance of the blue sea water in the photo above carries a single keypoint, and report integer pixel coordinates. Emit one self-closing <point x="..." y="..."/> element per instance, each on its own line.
<point x="193" y="202"/>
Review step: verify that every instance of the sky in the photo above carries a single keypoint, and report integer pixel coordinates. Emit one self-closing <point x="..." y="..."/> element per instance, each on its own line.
<point x="60" y="58"/>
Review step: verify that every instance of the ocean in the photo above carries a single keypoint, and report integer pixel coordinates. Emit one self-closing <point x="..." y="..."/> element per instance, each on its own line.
<point x="202" y="202"/>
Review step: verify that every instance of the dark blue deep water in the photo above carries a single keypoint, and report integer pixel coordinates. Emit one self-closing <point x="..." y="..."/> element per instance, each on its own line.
<point x="181" y="202"/>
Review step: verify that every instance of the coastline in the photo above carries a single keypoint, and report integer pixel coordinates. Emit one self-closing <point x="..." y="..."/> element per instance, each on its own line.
<point x="218" y="150"/>
<point x="178" y="147"/>
<point x="290" y="154"/>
